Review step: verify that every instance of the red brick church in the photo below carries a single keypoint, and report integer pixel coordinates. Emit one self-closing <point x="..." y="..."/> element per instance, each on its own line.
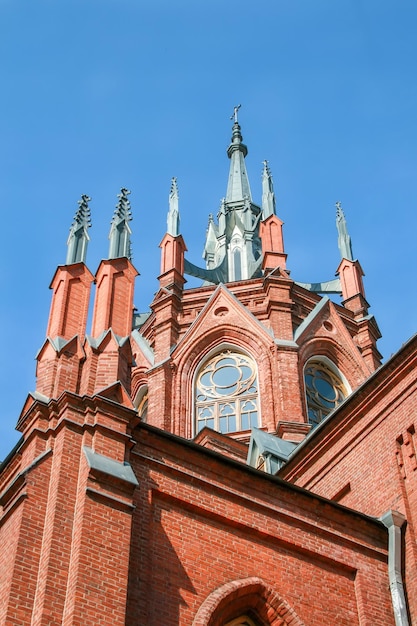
<point x="236" y="456"/>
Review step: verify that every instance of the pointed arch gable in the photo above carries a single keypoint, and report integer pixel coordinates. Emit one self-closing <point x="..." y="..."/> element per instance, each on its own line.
<point x="223" y="316"/>
<point x="224" y="320"/>
<point x="353" y="369"/>
<point x="223" y="323"/>
<point x="247" y="595"/>
<point x="326" y="334"/>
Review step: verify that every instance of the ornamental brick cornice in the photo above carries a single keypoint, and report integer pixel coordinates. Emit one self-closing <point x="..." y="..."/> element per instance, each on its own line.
<point x="84" y="410"/>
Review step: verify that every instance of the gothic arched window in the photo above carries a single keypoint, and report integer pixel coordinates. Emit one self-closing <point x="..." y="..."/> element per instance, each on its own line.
<point x="141" y="402"/>
<point x="226" y="393"/>
<point x="237" y="264"/>
<point x="325" y="389"/>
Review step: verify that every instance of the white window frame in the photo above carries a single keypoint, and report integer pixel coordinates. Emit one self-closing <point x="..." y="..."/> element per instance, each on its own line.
<point x="335" y="371"/>
<point x="219" y="349"/>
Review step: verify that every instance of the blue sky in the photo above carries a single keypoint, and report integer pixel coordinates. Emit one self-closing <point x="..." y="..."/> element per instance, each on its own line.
<point x="100" y="94"/>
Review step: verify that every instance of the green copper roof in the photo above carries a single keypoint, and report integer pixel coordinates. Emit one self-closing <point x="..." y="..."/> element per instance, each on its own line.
<point x="120" y="232"/>
<point x="78" y="236"/>
<point x="268" y="195"/>
<point x="232" y="249"/>
<point x="173" y="219"/>
<point x="238" y="184"/>
<point x="344" y="241"/>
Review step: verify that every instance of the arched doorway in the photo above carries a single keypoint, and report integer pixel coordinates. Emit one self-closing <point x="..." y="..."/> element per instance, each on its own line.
<point x="250" y="599"/>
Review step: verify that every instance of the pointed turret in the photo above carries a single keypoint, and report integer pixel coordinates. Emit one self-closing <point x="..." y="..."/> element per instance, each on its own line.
<point x="172" y="245"/>
<point x="268" y="195"/>
<point x="60" y="358"/>
<point x="211" y="242"/>
<point x="71" y="283"/>
<point x="115" y="277"/>
<point x="173" y="219"/>
<point x="120" y="232"/>
<point x="271" y="226"/>
<point x="344" y="241"/>
<point x="351" y="281"/>
<point x="221" y="216"/>
<point x="78" y="236"/>
<point x="238" y="185"/>
<point x="166" y="305"/>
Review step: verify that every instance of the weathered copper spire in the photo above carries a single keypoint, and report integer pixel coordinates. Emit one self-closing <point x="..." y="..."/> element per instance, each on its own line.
<point x="233" y="249"/>
<point x="173" y="219"/>
<point x="78" y="237"/>
<point x="120" y="232"/>
<point x="238" y="185"/>
<point x="344" y="241"/>
<point x="268" y="195"/>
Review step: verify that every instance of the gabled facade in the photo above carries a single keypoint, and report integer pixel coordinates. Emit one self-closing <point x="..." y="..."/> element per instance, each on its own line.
<point x="221" y="459"/>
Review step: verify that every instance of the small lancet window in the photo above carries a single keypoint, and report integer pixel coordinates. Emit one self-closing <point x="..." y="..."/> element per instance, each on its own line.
<point x="325" y="389"/>
<point x="143" y="409"/>
<point x="226" y="393"/>
<point x="237" y="263"/>
<point x="141" y="403"/>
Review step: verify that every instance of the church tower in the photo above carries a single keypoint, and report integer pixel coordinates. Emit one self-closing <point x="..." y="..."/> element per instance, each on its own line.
<point x="134" y="494"/>
<point x="251" y="347"/>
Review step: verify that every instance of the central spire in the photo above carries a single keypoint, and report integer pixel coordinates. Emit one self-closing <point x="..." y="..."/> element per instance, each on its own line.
<point x="238" y="185"/>
<point x="233" y="250"/>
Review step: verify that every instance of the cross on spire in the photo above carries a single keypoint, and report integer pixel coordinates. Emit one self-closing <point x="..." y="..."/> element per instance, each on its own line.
<point x="235" y="111"/>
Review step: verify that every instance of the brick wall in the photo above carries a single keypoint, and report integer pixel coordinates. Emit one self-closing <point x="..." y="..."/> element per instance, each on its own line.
<point x="202" y="521"/>
<point x="364" y="456"/>
<point x="64" y="524"/>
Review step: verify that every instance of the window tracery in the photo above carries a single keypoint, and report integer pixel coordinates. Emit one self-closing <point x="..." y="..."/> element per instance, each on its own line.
<point x="325" y="389"/>
<point x="226" y="393"/>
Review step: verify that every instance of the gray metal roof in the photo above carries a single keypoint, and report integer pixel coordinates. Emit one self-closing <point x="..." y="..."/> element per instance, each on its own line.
<point x="120" y="245"/>
<point x="98" y="462"/>
<point x="78" y="236"/>
<point x="173" y="219"/>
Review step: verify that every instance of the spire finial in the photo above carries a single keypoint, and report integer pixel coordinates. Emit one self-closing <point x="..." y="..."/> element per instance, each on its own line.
<point x="120" y="232"/>
<point x="344" y="241"/>
<point x="173" y="219"/>
<point x="268" y="195"/>
<point x="78" y="237"/>
<point x="235" y="111"/>
<point x="238" y="184"/>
